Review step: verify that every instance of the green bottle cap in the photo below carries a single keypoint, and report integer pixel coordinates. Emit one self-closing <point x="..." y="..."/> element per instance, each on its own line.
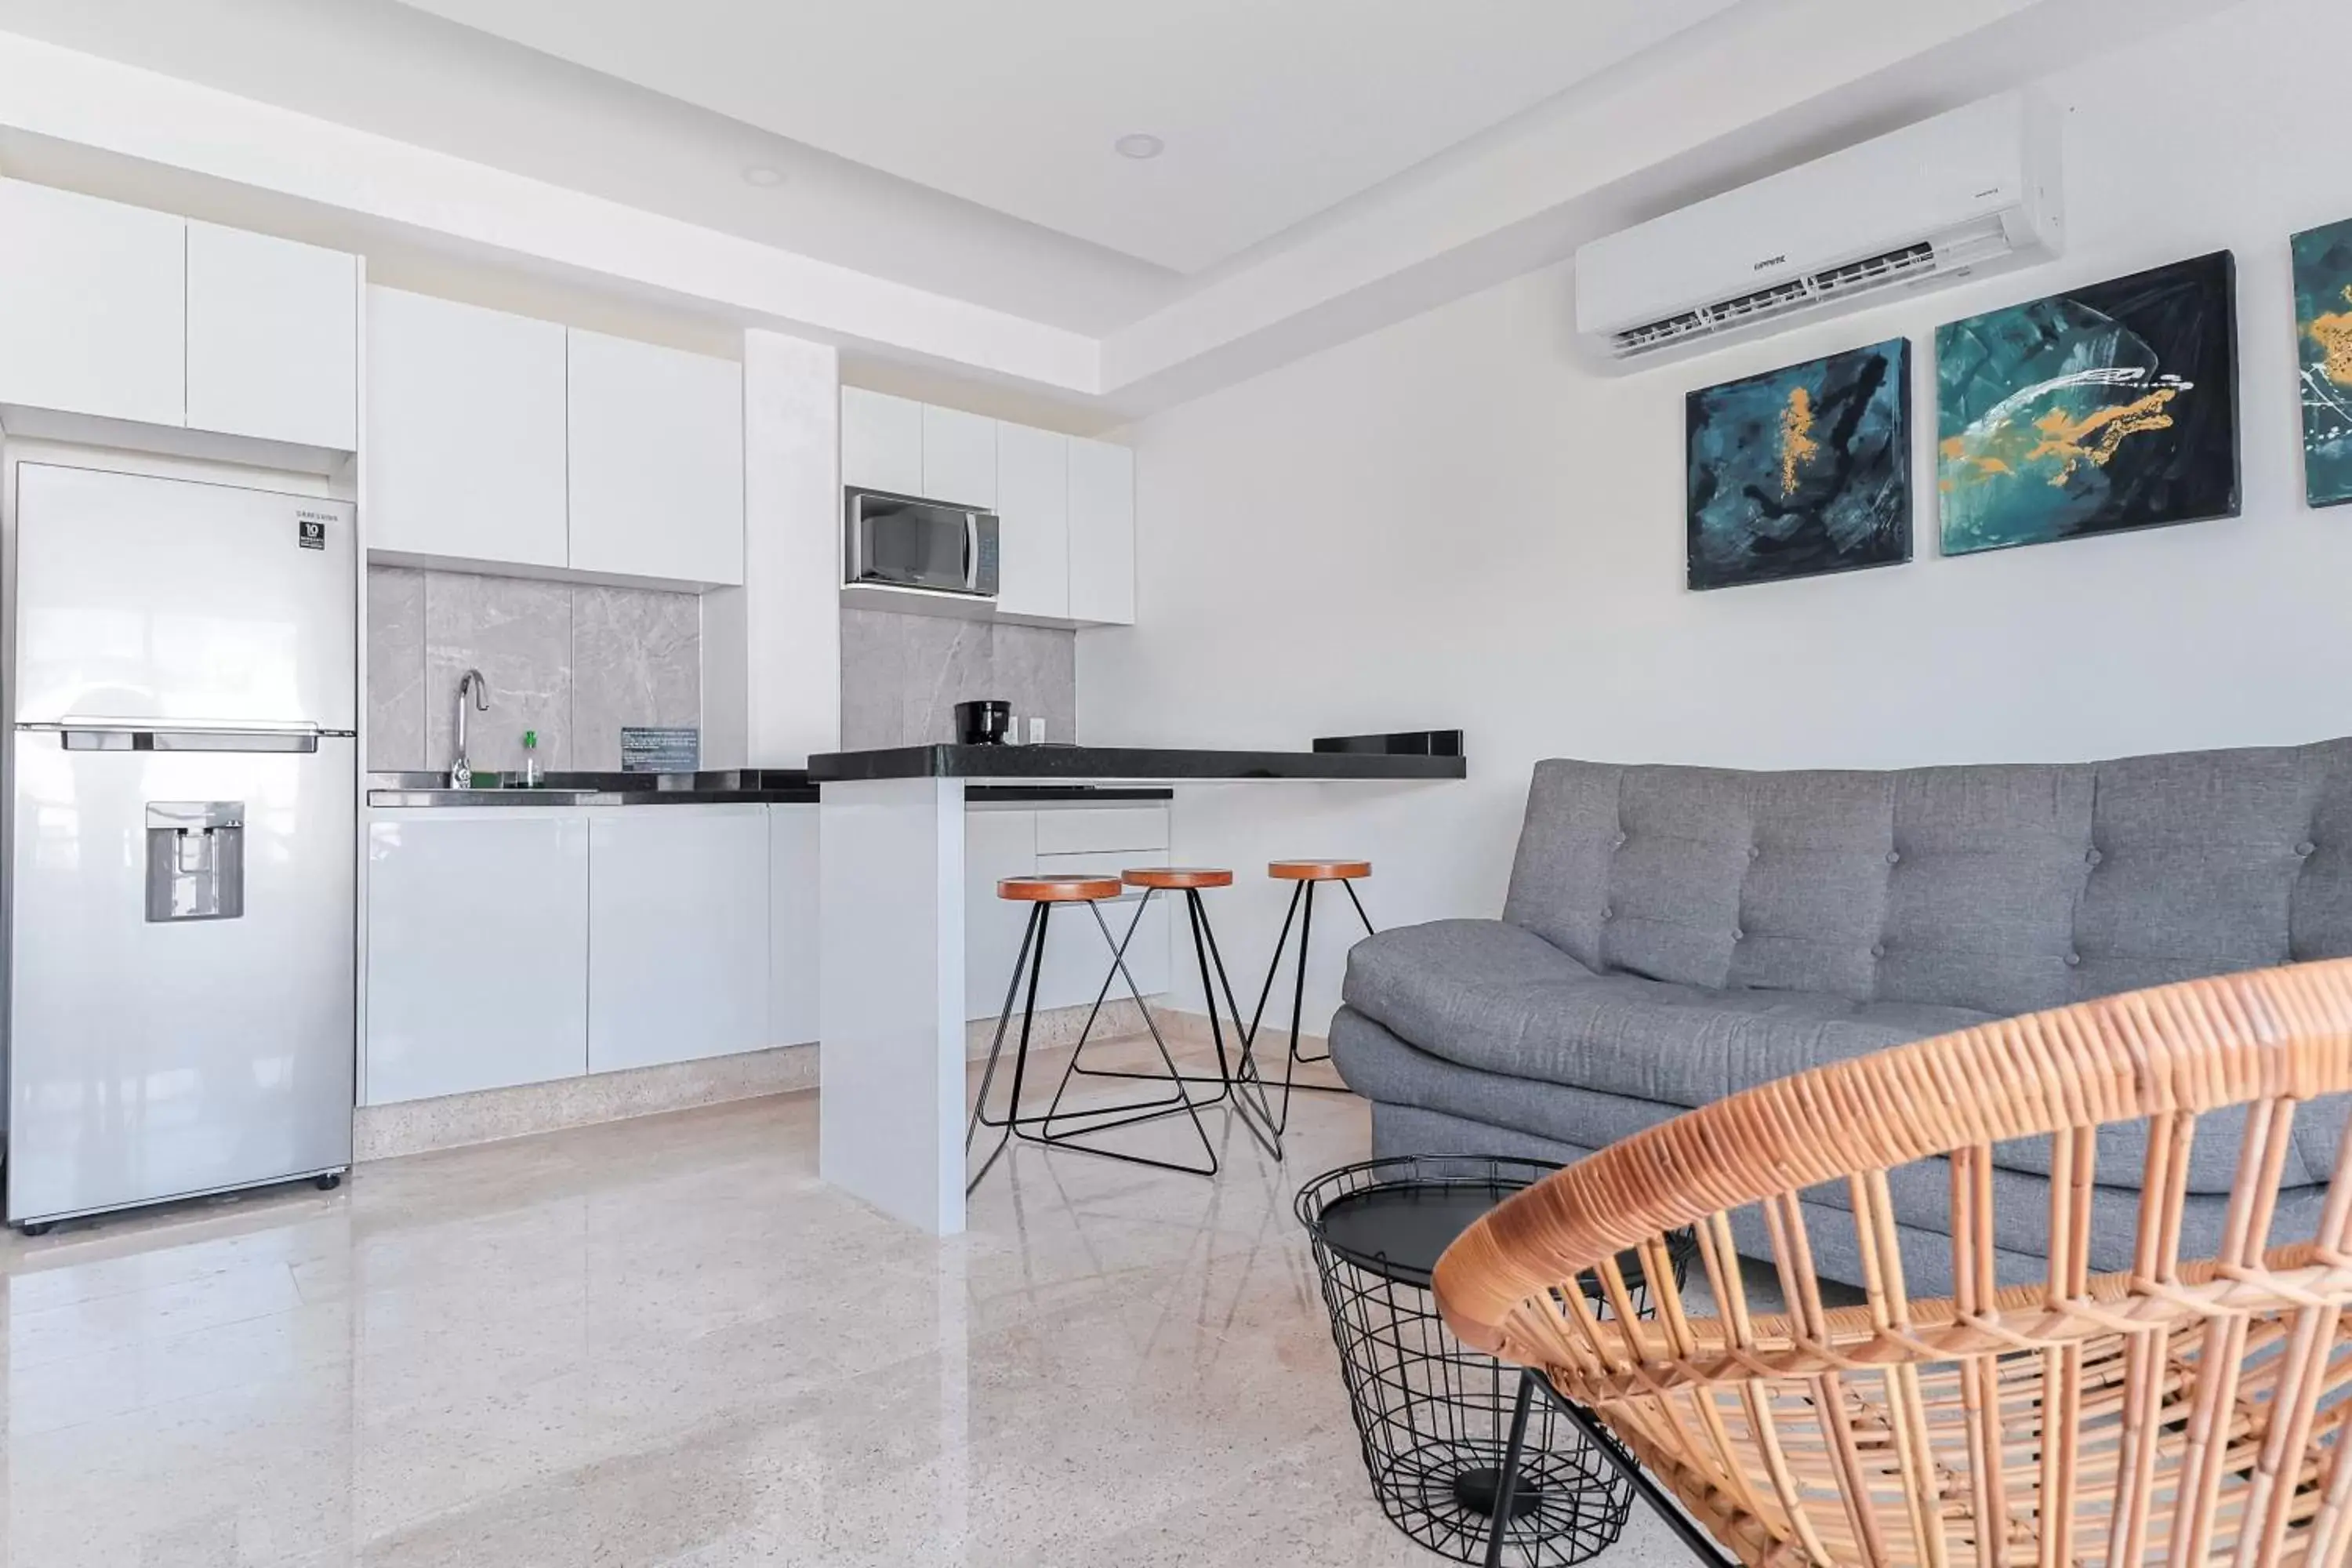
<point x="530" y="740"/>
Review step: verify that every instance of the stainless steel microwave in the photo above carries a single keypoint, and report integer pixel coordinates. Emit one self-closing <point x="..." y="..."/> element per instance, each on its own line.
<point x="899" y="541"/>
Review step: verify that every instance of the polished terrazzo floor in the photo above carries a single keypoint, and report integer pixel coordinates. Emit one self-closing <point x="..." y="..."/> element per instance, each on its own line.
<point x="664" y="1343"/>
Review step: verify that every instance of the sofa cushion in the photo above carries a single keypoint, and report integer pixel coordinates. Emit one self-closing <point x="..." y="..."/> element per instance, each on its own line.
<point x="1495" y="997"/>
<point x="1998" y="889"/>
<point x="1386" y="1070"/>
<point x="2021" y="1205"/>
<point x="1486" y="995"/>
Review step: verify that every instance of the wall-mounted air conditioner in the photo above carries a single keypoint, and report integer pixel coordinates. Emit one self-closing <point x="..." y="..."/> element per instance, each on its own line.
<point x="1964" y="194"/>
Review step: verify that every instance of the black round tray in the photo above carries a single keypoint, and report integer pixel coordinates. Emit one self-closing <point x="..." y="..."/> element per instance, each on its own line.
<point x="1398" y="1230"/>
<point x="1396" y="1218"/>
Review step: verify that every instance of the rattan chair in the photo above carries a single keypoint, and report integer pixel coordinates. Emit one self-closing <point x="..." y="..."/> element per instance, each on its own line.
<point x="2184" y="1412"/>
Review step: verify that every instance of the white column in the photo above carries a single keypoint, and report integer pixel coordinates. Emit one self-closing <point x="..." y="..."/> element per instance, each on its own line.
<point x="772" y="648"/>
<point x="890" y="1116"/>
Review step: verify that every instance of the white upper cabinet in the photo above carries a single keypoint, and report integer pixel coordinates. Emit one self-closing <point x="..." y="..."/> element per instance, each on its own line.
<point x="122" y="313"/>
<point x="1102" y="533"/>
<point x="959" y="458"/>
<point x="92" y="306"/>
<point x="656" y="462"/>
<point x="465" y="432"/>
<point x="1033" y="505"/>
<point x="881" y="442"/>
<point x="1066" y="508"/>
<point x="273" y="338"/>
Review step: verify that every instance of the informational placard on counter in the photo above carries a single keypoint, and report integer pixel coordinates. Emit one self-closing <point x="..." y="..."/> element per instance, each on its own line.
<point x="654" y="750"/>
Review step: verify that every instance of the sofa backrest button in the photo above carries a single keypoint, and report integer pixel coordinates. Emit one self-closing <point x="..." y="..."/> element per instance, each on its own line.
<point x="2073" y="961"/>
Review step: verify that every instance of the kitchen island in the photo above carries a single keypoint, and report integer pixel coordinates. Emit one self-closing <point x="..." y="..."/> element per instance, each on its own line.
<point x="891" y="987"/>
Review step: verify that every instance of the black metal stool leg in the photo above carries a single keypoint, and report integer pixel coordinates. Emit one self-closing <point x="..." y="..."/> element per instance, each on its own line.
<point x="1296" y="1055"/>
<point x="1301" y="911"/>
<point x="1220" y="1077"/>
<point x="1032" y="955"/>
<point x="1227" y="1067"/>
<point x="1299" y="891"/>
<point x="1250" y="1093"/>
<point x="1072" y="1139"/>
<point x="1299" y="997"/>
<point x="1131" y="1110"/>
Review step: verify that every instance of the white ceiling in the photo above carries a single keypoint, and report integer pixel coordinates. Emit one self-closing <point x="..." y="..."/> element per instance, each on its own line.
<point x="402" y="73"/>
<point x="1271" y="110"/>
<point x="462" y="162"/>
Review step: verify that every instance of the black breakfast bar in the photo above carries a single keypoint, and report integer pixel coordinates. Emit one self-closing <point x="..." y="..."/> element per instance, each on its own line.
<point x="892" y="1110"/>
<point x="1151" y="765"/>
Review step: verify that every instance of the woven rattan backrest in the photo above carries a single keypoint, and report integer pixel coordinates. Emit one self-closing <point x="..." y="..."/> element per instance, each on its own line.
<point x="2184" y="1410"/>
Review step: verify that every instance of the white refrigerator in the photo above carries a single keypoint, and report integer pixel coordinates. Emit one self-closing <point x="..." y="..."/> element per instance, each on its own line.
<point x="181" y="967"/>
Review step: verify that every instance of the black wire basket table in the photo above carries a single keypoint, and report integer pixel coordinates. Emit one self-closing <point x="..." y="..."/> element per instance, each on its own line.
<point x="1436" y="1418"/>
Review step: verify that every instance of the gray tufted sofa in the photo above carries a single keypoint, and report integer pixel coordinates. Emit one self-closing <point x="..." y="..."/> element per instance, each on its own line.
<point x="1673" y="934"/>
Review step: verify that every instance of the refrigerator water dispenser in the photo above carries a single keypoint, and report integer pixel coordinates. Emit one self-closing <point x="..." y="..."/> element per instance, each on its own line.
<point x="195" y="859"/>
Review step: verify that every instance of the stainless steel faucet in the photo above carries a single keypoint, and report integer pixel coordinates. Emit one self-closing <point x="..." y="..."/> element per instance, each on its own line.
<point x="470" y="684"/>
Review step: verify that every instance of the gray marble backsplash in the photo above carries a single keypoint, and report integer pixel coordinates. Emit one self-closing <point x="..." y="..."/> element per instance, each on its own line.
<point x="574" y="663"/>
<point x="901" y="676"/>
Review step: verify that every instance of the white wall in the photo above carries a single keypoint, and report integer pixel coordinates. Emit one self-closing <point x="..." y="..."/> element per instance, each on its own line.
<point x="1450" y="523"/>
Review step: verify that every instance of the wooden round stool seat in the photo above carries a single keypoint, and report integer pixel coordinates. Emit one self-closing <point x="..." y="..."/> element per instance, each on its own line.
<point x="1058" y="889"/>
<point x="1178" y="876"/>
<point x="1318" y="871"/>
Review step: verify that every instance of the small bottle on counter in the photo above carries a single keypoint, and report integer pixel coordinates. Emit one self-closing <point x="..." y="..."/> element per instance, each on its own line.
<point x="530" y="773"/>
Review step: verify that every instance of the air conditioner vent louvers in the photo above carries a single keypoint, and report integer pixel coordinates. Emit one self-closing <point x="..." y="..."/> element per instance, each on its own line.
<point x="1845" y="278"/>
<point x="1920" y="257"/>
<point x="1762" y="300"/>
<point x="1671" y="330"/>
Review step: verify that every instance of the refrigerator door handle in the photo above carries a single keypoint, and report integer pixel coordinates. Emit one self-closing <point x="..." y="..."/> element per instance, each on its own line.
<point x="134" y="735"/>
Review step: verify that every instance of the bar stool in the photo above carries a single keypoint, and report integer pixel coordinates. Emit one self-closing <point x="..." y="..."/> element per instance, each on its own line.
<point x="1303" y="876"/>
<point x="1041" y="894"/>
<point x="1236" y="1076"/>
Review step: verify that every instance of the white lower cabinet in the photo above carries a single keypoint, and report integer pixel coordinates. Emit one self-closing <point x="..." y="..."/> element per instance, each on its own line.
<point x="677" y="934"/>
<point x="1090" y="840"/>
<point x="514" y="945"/>
<point x="793" y="910"/>
<point x="478" y="951"/>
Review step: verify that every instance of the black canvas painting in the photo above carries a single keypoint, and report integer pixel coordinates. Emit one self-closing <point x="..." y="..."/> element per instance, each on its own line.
<point x="1803" y="471"/>
<point x="2108" y="407"/>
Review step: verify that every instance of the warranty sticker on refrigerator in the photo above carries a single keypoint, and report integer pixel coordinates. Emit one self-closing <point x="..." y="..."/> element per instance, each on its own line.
<point x="310" y="529"/>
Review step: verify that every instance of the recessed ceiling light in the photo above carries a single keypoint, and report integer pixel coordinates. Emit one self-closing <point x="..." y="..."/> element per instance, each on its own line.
<point x="1142" y="144"/>
<point x="762" y="176"/>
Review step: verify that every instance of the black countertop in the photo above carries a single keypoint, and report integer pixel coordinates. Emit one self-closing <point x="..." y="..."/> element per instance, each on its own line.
<point x="727" y="786"/>
<point x="1172" y="764"/>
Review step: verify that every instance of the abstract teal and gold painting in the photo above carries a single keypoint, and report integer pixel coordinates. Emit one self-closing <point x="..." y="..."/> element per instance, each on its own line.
<point x="2108" y="407"/>
<point x="1801" y="471"/>
<point x="2323" y="333"/>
